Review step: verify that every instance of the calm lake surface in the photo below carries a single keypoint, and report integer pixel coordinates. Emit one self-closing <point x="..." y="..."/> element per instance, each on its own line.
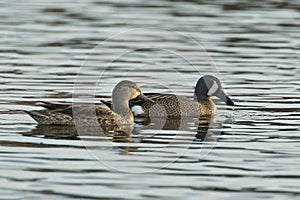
<point x="51" y="50"/>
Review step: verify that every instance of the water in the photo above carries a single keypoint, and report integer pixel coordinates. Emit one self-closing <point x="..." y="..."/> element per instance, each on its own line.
<point x="251" y="152"/>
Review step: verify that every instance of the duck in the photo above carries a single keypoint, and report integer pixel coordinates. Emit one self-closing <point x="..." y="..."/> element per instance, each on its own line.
<point x="170" y="105"/>
<point x="90" y="115"/>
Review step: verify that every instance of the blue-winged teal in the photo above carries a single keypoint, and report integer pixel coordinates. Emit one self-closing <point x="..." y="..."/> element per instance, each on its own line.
<point x="169" y="105"/>
<point x="62" y="114"/>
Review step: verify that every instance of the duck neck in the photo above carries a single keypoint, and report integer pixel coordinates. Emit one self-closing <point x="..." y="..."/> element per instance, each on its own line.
<point x="201" y="97"/>
<point x="207" y="106"/>
<point x="120" y="106"/>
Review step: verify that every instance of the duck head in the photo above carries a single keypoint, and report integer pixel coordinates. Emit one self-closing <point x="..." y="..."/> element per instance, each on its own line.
<point x="208" y="86"/>
<point x="125" y="91"/>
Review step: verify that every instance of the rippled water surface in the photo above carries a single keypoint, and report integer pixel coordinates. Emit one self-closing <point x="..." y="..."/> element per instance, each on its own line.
<point x="250" y="151"/>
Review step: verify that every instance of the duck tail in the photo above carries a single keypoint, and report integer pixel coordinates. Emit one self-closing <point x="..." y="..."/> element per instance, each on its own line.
<point x="38" y="116"/>
<point x="47" y="117"/>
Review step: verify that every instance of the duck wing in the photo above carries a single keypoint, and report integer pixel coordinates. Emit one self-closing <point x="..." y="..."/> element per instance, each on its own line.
<point x="156" y="97"/>
<point x="84" y="110"/>
<point x="62" y="114"/>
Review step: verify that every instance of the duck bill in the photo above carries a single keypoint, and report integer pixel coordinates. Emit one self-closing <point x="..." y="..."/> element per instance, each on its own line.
<point x="144" y="98"/>
<point x="221" y="95"/>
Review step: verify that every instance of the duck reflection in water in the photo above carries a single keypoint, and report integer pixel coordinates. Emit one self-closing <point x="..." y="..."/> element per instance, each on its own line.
<point x="163" y="131"/>
<point x="203" y="129"/>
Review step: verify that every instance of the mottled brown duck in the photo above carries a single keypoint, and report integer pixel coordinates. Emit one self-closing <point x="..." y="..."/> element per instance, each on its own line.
<point x="170" y="105"/>
<point x="90" y="115"/>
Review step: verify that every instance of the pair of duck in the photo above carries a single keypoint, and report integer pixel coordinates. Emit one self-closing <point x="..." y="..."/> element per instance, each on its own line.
<point x="127" y="95"/>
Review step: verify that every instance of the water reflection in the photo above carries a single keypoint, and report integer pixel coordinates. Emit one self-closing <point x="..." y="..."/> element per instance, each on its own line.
<point x="202" y="129"/>
<point x="53" y="131"/>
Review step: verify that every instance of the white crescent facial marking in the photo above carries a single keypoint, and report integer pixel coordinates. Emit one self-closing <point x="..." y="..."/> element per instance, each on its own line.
<point x="137" y="110"/>
<point x="214" y="88"/>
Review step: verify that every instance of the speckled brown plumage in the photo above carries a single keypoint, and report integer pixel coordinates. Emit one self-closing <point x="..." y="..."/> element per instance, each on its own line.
<point x="92" y="115"/>
<point x="167" y="105"/>
<point x="85" y="115"/>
